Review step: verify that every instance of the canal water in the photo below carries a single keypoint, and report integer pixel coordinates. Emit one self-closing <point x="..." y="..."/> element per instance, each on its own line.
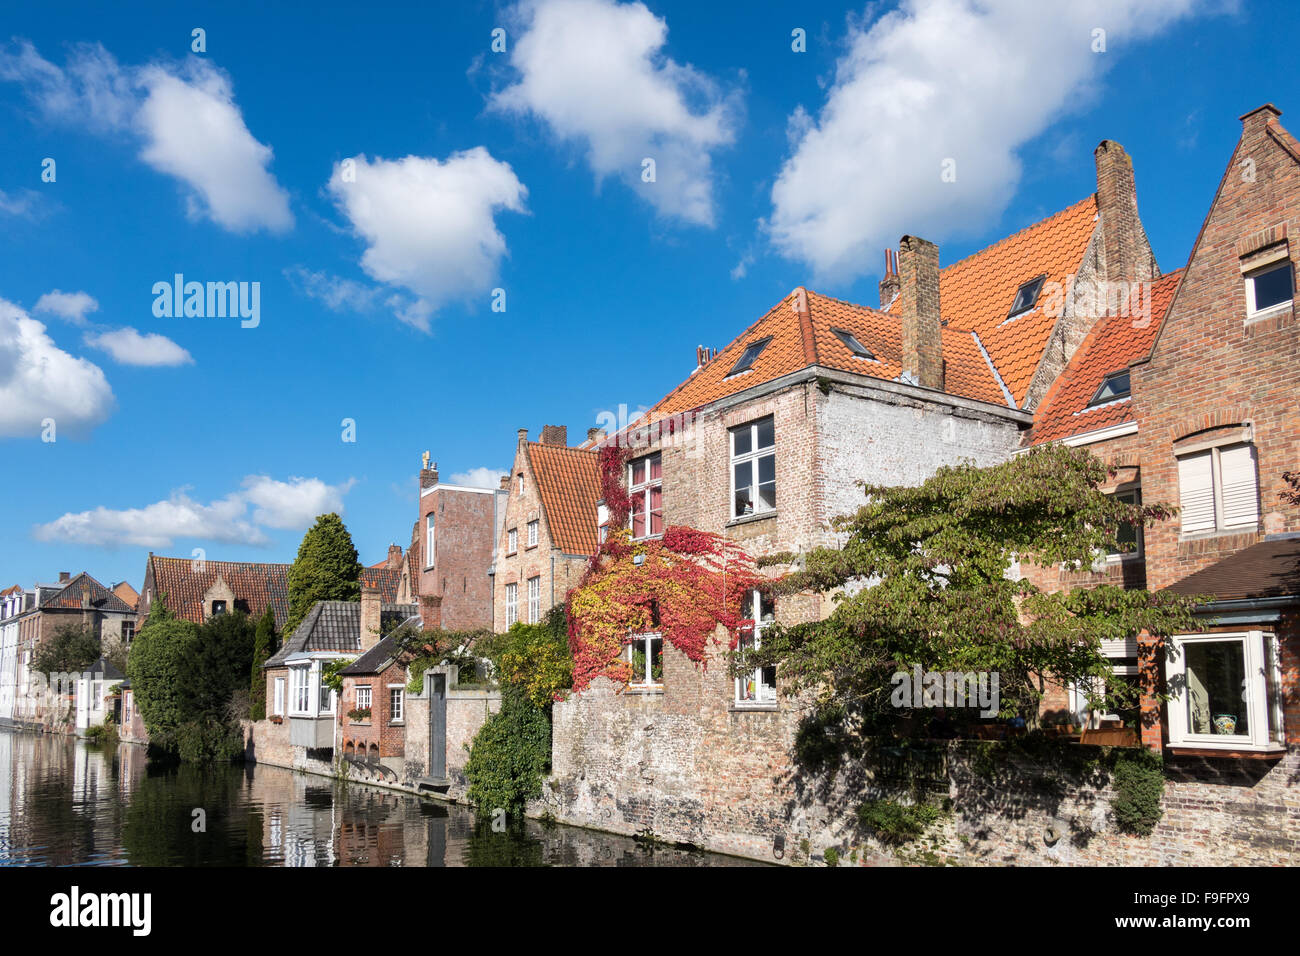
<point x="65" y="802"/>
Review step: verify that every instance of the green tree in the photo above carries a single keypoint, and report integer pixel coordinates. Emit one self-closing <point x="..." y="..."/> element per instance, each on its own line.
<point x="326" y="569"/>
<point x="70" y="649"/>
<point x="938" y="563"/>
<point x="264" y="645"/>
<point x="157" y="667"/>
<point x="510" y="755"/>
<point x="535" y="657"/>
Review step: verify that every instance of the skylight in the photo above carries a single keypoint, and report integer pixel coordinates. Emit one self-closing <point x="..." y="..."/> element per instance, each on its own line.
<point x="748" y="357"/>
<point x="1026" y="296"/>
<point x="1115" y="386"/>
<point x="851" y="342"/>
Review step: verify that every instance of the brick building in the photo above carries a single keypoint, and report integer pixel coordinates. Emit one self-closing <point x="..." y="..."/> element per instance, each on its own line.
<point x="195" y="588"/>
<point x="549" y="526"/>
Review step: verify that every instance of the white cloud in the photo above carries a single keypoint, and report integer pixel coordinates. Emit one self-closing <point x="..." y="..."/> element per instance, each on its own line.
<point x="287" y="505"/>
<point x="70" y="306"/>
<point x="38" y="380"/>
<point x="186" y="116"/>
<point x="19" y="204"/>
<point x="966" y="80"/>
<point x="338" y="294"/>
<point x="130" y="347"/>
<point x="429" y="225"/>
<point x="594" y="71"/>
<point x="480" y="477"/>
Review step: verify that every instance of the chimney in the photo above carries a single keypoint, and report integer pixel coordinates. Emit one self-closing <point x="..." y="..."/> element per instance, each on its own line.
<point x="1123" y="241"/>
<point x="595" y="435"/>
<point x="889" y="284"/>
<point x="394" y="557"/>
<point x="505" y="482"/>
<point x="555" y="435"/>
<point x="523" y="435"/>
<point x="428" y="476"/>
<point x="64" y="576"/>
<point x="370" y="615"/>
<point x="918" y="275"/>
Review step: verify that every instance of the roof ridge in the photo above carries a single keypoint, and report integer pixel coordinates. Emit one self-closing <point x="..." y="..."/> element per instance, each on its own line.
<point x="1091" y="197"/>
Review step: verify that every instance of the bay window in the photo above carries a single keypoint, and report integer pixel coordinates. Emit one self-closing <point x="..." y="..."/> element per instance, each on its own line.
<point x="759" y="685"/>
<point x="645" y="654"/>
<point x="753" y="468"/>
<point x="300" y="689"/>
<point x="1218" y="489"/>
<point x="1224" y="691"/>
<point x="645" y="488"/>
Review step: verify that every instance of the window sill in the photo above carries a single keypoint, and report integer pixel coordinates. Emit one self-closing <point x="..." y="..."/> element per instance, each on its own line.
<point x="750" y="519"/>
<point x="648" y="690"/>
<point x="1219" y="533"/>
<point x="1272" y="312"/>
<point x="740" y="707"/>
<point x="1227" y="751"/>
<point x="397" y="723"/>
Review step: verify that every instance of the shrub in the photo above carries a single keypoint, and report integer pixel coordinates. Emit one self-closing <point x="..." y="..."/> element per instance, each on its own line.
<point x="896" y="822"/>
<point x="1139" y="781"/>
<point x="263" y="648"/>
<point x="510" y="756"/>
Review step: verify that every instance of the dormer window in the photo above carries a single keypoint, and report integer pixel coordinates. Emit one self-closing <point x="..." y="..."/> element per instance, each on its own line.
<point x="749" y="356"/>
<point x="1115" y="386"/>
<point x="1269" y="289"/>
<point x="852" y="344"/>
<point x="1026" y="296"/>
<point x="218" y="607"/>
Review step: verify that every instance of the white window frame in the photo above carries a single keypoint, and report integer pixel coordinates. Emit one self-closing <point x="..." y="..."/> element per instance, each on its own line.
<point x="764" y="693"/>
<point x="430" y="539"/>
<point x="300" y="691"/>
<point x="1215" y="453"/>
<point x="279" y="697"/>
<point x="752" y="457"/>
<point x="1133" y="490"/>
<point x="365" y="697"/>
<point x="396" y="704"/>
<point x="645" y="491"/>
<point x="646" y="641"/>
<point x="512" y="603"/>
<point x="512" y="541"/>
<point x="534" y="599"/>
<point x="1261" y="693"/>
<point x="1250" y="277"/>
<point x="533" y="527"/>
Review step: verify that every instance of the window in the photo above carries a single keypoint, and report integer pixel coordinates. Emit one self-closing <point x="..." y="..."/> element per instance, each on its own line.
<point x="758" y="686"/>
<point x="126" y="707"/>
<point x="748" y="357"/>
<point x="852" y="344"/>
<point x="1116" y="385"/>
<point x="1026" y="296"/>
<point x="218" y="607"/>
<point x="300" y="689"/>
<point x="1268" y="289"/>
<point x="96" y="695"/>
<point x="326" y="699"/>
<point x="394" y="704"/>
<point x="512" y="541"/>
<point x="645" y="478"/>
<point x="512" y="604"/>
<point x="645" y="654"/>
<point x="1224" y="691"/>
<point x="128" y="632"/>
<point x="753" y="468"/>
<point x="1217" y="489"/>
<point x="430" y="540"/>
<point x="278" y="706"/>
<point x="534" y="600"/>
<point x="363" y="697"/>
<point x="532" y="533"/>
<point x="519" y="483"/>
<point x="1128" y="537"/>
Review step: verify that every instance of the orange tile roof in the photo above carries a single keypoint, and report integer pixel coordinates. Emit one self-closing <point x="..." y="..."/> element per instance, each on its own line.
<point x="1114" y="343"/>
<point x="569" y="483"/>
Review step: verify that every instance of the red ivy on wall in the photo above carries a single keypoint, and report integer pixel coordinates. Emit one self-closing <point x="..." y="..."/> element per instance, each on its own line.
<point x="683" y="586"/>
<point x="612" y="462"/>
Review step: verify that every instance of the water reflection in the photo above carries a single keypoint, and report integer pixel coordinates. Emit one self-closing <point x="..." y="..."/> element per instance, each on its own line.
<point x="63" y="802"/>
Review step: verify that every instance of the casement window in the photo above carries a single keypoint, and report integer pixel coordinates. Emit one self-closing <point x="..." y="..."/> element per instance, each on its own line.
<point x="300" y="689"/>
<point x="325" y="697"/>
<point x="532" y="533"/>
<point x="1129" y="537"/>
<point x="645" y="655"/>
<point x="1225" y="691"/>
<point x="1269" y="289"/>
<point x="1026" y="296"/>
<point x="363" y="697"/>
<point x="512" y="541"/>
<point x="395" y="701"/>
<point x="759" y="685"/>
<point x="534" y="600"/>
<point x="512" y="604"/>
<point x="645" y="478"/>
<point x="430" y="539"/>
<point x="277" y="707"/>
<point x="1218" y="489"/>
<point x="753" y="468"/>
<point x="128" y="632"/>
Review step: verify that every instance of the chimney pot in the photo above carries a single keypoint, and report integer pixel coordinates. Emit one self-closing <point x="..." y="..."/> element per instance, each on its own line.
<point x="918" y="275"/>
<point x="889" y="283"/>
<point x="428" y="476"/>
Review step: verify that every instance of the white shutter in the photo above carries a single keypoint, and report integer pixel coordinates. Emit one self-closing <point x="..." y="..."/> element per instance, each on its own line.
<point x="1240" y="497"/>
<point x="1196" y="492"/>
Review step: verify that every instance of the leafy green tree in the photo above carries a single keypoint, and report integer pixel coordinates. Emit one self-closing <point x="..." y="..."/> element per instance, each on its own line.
<point x="510" y="755"/>
<point x="264" y="645"/>
<point x="326" y="569"/>
<point x="926" y="577"/>
<point x="70" y="649"/>
<point x="219" y="665"/>
<point x="535" y="657"/>
<point x="158" y="666"/>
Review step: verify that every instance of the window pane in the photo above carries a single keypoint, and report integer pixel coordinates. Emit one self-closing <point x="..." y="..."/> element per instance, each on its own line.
<point x="656" y="660"/>
<point x="744" y="504"/>
<point x="766" y="433"/>
<point x="767" y="496"/>
<point x="638" y="515"/>
<point x="1273" y="287"/>
<point x="743" y="441"/>
<point x="656" y="510"/>
<point x="1216" y="688"/>
<point x="767" y="469"/>
<point x="656" y="466"/>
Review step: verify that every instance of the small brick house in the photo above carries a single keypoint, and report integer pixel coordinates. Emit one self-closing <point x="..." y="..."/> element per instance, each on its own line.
<point x="549" y="527"/>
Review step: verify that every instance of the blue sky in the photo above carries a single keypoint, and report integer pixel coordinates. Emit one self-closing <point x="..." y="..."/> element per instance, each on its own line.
<point x="473" y="170"/>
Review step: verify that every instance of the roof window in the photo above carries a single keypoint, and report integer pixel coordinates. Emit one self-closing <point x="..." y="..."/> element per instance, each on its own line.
<point x="749" y="356"/>
<point x="851" y="342"/>
<point x="1026" y="296"/>
<point x="1115" y="386"/>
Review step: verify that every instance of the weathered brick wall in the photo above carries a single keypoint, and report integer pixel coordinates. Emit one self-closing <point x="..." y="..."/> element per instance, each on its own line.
<point x="465" y="541"/>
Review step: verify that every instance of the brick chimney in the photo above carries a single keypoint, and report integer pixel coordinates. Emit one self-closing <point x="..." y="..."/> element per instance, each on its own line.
<point x="555" y="435"/>
<point x="428" y="476"/>
<point x="918" y="276"/>
<point x="371" y="599"/>
<point x="394" y="557"/>
<point x="889" y="284"/>
<point x="523" y="435"/>
<point x="64" y="576"/>
<point x="1123" y="241"/>
<point x="505" y="482"/>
